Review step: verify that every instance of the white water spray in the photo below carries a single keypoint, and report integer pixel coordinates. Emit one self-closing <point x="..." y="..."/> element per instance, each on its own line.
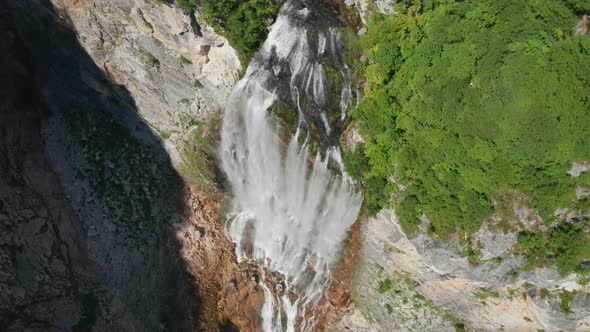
<point x="286" y="214"/>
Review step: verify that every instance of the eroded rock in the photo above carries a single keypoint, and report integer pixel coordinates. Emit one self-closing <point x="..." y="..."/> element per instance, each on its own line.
<point x="163" y="57"/>
<point x="419" y="284"/>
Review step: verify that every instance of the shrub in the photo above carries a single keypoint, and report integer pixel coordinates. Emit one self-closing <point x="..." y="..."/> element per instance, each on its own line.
<point x="567" y="246"/>
<point x="152" y="60"/>
<point x="385" y="285"/>
<point x="197" y="84"/>
<point x="566" y="298"/>
<point x="185" y="61"/>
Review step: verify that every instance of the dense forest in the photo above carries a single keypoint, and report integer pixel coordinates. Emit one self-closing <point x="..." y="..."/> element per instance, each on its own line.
<point x="472" y="105"/>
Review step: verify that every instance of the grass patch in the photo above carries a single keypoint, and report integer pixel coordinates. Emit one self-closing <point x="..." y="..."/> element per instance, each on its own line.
<point x="473" y="254"/>
<point x="566" y="299"/>
<point x="385" y="285"/>
<point x="457" y="322"/>
<point x="198" y="156"/>
<point x="197" y="84"/>
<point x="391" y="248"/>
<point x="389" y="308"/>
<point x="484" y="293"/>
<point x="152" y="61"/>
<point x="165" y="134"/>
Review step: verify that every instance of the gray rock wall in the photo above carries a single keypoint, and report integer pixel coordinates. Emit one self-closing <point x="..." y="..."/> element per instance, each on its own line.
<point x="419" y="284"/>
<point x="177" y="69"/>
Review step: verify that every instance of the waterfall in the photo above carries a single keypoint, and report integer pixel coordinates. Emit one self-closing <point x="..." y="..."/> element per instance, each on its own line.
<point x="287" y="214"/>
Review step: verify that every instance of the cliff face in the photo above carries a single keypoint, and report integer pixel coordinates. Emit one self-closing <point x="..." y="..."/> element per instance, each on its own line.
<point x="420" y="284"/>
<point x="176" y="68"/>
<point x="94" y="215"/>
<point x="365" y="7"/>
<point x="42" y="247"/>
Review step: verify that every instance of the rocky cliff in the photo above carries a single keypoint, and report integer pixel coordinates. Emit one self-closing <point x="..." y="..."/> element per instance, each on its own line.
<point x="94" y="215"/>
<point x="42" y="248"/>
<point x="366" y="7"/>
<point x="176" y="68"/>
<point x="421" y="284"/>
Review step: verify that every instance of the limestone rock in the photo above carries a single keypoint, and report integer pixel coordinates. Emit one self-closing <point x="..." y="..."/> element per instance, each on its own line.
<point x="364" y="6"/>
<point x="178" y="72"/>
<point x="89" y="198"/>
<point x="583" y="27"/>
<point x="419" y="284"/>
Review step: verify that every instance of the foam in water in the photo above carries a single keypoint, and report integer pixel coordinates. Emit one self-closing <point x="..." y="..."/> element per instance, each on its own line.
<point x="286" y="214"/>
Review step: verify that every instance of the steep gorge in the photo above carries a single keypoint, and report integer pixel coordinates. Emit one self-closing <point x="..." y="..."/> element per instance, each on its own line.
<point x="111" y="205"/>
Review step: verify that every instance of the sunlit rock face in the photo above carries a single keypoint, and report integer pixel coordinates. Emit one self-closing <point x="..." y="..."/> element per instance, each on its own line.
<point x="179" y="72"/>
<point x="286" y="214"/>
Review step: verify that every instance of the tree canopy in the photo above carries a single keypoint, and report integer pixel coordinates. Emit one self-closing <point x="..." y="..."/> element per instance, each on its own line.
<point x="467" y="100"/>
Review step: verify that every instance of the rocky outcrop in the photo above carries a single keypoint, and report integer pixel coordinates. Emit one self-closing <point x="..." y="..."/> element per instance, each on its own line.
<point x="175" y="67"/>
<point x="231" y="293"/>
<point x="583" y="26"/>
<point x="365" y="7"/>
<point x="419" y="284"/>
<point x="578" y="168"/>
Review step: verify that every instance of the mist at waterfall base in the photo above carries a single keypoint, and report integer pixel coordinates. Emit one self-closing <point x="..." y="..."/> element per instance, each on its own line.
<point x="287" y="214"/>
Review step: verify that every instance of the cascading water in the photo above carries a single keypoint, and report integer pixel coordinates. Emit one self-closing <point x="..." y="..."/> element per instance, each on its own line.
<point x="287" y="214"/>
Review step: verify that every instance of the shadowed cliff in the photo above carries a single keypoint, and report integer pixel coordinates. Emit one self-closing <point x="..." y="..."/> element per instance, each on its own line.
<point x="88" y="196"/>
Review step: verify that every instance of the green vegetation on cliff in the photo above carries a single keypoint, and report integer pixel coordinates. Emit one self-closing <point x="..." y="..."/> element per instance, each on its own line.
<point x="243" y="22"/>
<point x="466" y="101"/>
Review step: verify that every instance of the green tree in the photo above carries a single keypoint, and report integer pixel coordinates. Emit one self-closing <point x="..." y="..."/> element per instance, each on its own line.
<point x="465" y="100"/>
